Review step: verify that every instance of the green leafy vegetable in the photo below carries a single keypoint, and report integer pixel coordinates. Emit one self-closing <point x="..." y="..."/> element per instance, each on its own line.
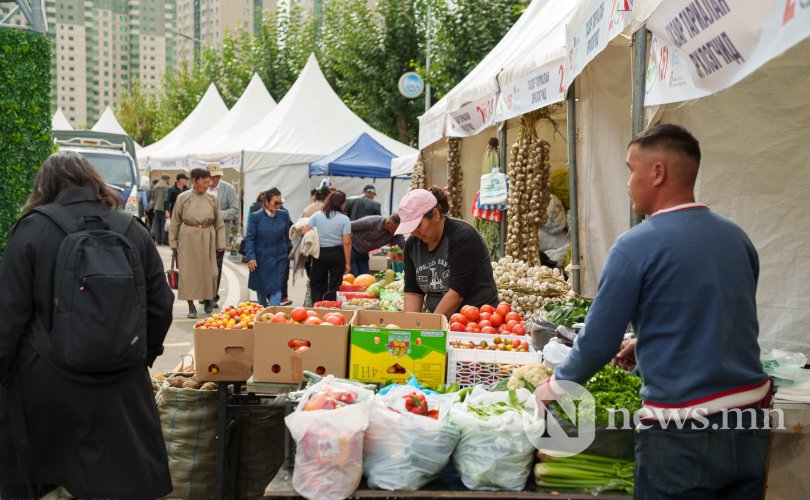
<point x="585" y="472"/>
<point x="567" y="312"/>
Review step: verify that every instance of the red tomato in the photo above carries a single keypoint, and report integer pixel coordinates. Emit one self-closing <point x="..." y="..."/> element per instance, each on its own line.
<point x="313" y="320"/>
<point x="496" y="320"/>
<point x="298" y="314"/>
<point x="458" y="318"/>
<point x="502" y="328"/>
<point x="503" y="309"/>
<point x="457" y="327"/>
<point x="279" y="317"/>
<point x="469" y="329"/>
<point x="519" y="329"/>
<point x="488" y="329"/>
<point x="515" y="344"/>
<point x="510" y="325"/>
<point x="485" y="315"/>
<point x="484" y="322"/>
<point x="312" y="313"/>
<point x="473" y="324"/>
<point x="471" y="312"/>
<point x="486" y="308"/>
<point x="512" y="316"/>
<point x="335" y="319"/>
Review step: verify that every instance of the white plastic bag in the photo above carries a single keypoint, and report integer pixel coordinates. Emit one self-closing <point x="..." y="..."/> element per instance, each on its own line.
<point x="493" y="189"/>
<point x="495" y="454"/>
<point x="329" y="443"/>
<point x="555" y="353"/>
<point x="404" y="451"/>
<point x="785" y="365"/>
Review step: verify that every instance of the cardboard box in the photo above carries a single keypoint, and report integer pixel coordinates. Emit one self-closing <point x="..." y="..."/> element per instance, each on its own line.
<point x="274" y="360"/>
<point x="223" y="355"/>
<point x="380" y="354"/>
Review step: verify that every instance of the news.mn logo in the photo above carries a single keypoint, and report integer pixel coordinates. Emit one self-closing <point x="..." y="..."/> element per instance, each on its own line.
<point x="570" y="426"/>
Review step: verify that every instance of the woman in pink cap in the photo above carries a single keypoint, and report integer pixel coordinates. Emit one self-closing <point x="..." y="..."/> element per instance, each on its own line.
<point x="447" y="263"/>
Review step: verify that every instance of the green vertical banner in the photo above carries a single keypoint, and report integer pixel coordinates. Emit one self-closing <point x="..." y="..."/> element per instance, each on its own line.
<point x="25" y="118"/>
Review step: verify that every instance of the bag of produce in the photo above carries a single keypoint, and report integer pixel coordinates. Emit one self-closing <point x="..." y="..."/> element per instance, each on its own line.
<point x="409" y="439"/>
<point x="328" y="427"/>
<point x="494" y="452"/>
<point x="392" y="297"/>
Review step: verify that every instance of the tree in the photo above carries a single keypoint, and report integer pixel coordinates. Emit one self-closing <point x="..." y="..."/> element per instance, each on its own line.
<point x="138" y="112"/>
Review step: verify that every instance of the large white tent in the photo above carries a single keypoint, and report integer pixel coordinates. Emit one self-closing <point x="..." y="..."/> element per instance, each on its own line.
<point x="254" y="105"/>
<point x="309" y="122"/>
<point x="60" y="121"/>
<point x="108" y="123"/>
<point x="208" y="112"/>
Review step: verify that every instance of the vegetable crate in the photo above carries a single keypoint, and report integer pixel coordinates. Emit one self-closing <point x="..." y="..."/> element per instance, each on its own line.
<point x="469" y="367"/>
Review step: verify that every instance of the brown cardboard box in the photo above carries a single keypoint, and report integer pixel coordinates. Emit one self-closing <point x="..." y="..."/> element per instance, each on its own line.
<point x="275" y="361"/>
<point x="223" y="355"/>
<point x="380" y="354"/>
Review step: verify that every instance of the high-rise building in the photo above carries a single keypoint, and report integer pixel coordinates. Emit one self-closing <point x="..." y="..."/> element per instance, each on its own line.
<point x="203" y="23"/>
<point x="99" y="46"/>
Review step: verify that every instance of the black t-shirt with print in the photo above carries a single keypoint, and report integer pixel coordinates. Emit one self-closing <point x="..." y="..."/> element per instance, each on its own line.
<point x="460" y="261"/>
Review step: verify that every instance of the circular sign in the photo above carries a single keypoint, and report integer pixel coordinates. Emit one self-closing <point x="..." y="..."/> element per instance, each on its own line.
<point x="411" y="85"/>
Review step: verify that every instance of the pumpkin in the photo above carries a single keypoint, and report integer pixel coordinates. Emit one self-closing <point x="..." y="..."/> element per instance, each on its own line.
<point x="365" y="279"/>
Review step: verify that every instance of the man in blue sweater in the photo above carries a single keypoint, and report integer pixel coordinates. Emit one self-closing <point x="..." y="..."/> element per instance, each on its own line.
<point x="686" y="280"/>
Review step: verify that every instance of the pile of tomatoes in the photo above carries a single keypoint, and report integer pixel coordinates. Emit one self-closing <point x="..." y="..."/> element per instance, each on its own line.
<point x="238" y="317"/>
<point x="301" y="316"/>
<point x="494" y="320"/>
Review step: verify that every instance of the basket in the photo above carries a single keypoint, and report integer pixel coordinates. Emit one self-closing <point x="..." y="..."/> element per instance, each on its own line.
<point x="468" y="367"/>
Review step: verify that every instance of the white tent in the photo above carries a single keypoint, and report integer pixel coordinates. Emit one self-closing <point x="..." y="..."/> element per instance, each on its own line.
<point x="254" y="105"/>
<point x="108" y="123"/>
<point x="403" y="166"/>
<point x="60" y="121"/>
<point x="309" y="122"/>
<point x="208" y="112"/>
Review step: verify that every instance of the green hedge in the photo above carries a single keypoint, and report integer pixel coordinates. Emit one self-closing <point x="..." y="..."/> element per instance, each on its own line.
<point x="25" y="118"/>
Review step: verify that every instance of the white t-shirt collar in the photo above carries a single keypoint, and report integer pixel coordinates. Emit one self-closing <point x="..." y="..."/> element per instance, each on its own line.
<point x="683" y="206"/>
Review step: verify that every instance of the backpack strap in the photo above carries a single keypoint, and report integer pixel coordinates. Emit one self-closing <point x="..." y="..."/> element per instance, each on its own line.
<point x="119" y="221"/>
<point x="59" y="216"/>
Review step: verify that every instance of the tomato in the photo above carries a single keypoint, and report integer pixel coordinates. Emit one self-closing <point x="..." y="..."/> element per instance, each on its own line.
<point x="335" y="318"/>
<point x="510" y="325"/>
<point x="458" y="318"/>
<point x="471" y="312"/>
<point x="496" y="320"/>
<point x="279" y="317"/>
<point x="485" y="315"/>
<point x="512" y="316"/>
<point x="313" y="320"/>
<point x="457" y="327"/>
<point x="484" y="323"/>
<point x="486" y="308"/>
<point x="515" y="344"/>
<point x="472" y="330"/>
<point x="474" y="325"/>
<point x="311" y="313"/>
<point x="519" y="329"/>
<point x="298" y="314"/>
<point x="489" y="329"/>
<point x="502" y="328"/>
<point x="503" y="309"/>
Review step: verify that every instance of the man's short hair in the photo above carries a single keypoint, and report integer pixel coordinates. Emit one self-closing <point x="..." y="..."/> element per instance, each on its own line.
<point x="394" y="218"/>
<point x="165" y="177"/>
<point x="669" y="136"/>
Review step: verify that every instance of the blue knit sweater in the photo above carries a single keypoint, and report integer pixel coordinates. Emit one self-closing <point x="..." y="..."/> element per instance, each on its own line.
<point x="686" y="280"/>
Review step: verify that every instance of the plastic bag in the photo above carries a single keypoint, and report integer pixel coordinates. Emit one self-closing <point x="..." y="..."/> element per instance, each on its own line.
<point x="329" y="442"/>
<point x="784" y="365"/>
<point x="404" y="451"/>
<point x="555" y="353"/>
<point x="495" y="454"/>
<point x="392" y="300"/>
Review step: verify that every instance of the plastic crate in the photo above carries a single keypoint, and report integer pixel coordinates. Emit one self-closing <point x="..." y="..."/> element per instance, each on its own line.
<point x="468" y="367"/>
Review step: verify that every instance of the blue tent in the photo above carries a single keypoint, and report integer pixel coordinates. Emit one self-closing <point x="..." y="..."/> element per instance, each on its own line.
<point x="362" y="157"/>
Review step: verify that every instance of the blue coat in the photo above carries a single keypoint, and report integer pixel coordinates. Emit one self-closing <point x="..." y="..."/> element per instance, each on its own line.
<point x="268" y="241"/>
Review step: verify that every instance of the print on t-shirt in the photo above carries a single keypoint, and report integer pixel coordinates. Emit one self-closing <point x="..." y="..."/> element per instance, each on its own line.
<point x="433" y="271"/>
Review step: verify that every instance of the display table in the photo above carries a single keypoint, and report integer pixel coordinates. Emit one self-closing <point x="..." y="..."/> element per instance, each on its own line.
<point x="281" y="487"/>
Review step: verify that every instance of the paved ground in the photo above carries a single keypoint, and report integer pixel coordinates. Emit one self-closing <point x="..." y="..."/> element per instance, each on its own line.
<point x="233" y="290"/>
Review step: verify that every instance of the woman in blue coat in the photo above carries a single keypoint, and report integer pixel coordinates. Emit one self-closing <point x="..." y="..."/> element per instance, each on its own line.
<point x="267" y="245"/>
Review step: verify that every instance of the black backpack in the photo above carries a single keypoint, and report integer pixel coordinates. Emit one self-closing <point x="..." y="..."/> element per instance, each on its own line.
<point x="99" y="296"/>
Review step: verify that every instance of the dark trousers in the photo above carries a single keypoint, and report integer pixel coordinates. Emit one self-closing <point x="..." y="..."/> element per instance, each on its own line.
<point x="14" y="492"/>
<point x="721" y="463"/>
<point x="359" y="263"/>
<point x="220" y="257"/>
<point x="284" y="283"/>
<point x="158" y="233"/>
<point x="327" y="274"/>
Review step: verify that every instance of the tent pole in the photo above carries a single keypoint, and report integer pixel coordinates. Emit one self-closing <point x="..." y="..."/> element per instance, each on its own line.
<point x="502" y="162"/>
<point x="572" y="187"/>
<point x="391" y="197"/>
<point x="639" y="82"/>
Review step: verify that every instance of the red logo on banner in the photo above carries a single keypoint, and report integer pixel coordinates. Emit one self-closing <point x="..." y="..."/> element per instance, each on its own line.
<point x="790" y="11"/>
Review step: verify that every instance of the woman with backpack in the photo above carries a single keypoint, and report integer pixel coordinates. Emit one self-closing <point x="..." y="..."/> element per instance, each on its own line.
<point x="335" y="238"/>
<point x="76" y="404"/>
<point x="196" y="234"/>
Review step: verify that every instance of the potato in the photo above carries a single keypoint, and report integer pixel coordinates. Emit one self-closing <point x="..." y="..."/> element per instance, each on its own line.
<point x="190" y="384"/>
<point x="209" y="386"/>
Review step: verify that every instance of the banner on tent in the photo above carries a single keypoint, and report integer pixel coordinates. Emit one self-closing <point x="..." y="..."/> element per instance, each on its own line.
<point x="231" y="161"/>
<point x="533" y="91"/>
<point x="431" y="130"/>
<point x="168" y="165"/>
<point x="595" y="23"/>
<point x="700" y="46"/>
<point x="472" y="118"/>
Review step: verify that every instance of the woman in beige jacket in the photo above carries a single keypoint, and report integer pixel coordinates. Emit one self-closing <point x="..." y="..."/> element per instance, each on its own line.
<point x="196" y="235"/>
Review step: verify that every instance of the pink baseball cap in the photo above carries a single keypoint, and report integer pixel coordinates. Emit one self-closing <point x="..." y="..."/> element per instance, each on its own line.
<point x="414" y="205"/>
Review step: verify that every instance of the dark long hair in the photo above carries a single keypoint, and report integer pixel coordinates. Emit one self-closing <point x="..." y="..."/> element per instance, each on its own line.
<point x="67" y="169"/>
<point x="269" y="194"/>
<point x="333" y="202"/>
<point x="442" y="203"/>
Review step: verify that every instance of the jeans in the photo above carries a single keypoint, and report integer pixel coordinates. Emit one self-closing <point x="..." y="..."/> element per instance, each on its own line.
<point x="327" y="273"/>
<point x="359" y="263"/>
<point x="697" y="464"/>
<point x="158" y="233"/>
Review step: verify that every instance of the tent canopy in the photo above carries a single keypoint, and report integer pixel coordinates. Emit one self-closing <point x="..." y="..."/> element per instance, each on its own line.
<point x="403" y="166"/>
<point x="109" y="123"/>
<point x="362" y="157"/>
<point x="60" y="121"/>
